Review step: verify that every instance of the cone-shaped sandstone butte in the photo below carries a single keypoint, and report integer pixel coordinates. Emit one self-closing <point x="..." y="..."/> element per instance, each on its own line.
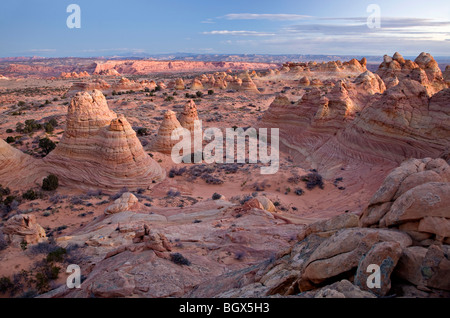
<point x="164" y="143"/>
<point x="189" y="115"/>
<point x="100" y="150"/>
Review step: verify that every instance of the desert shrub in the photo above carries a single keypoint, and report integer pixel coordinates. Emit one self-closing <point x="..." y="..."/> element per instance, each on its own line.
<point x="56" y="255"/>
<point x="210" y="92"/>
<point x="30" y="126"/>
<point x="313" y="180"/>
<point x="30" y="195"/>
<point x="299" y="191"/>
<point x="245" y="199"/>
<point x="21" y="103"/>
<point x="9" y="131"/>
<point x="142" y="131"/>
<point x="46" y="145"/>
<point x="49" y="128"/>
<point x="179" y="259"/>
<point x="216" y="196"/>
<point x="169" y="99"/>
<point x="23" y="245"/>
<point x="4" y="191"/>
<point x="199" y="94"/>
<point x="210" y="179"/>
<point x="5" y="284"/>
<point x="45" y="274"/>
<point x="10" y="139"/>
<point x="50" y="183"/>
<point x="176" y="172"/>
<point x="43" y="248"/>
<point x="173" y="193"/>
<point x="9" y="200"/>
<point x="239" y="255"/>
<point x="119" y="194"/>
<point x="3" y="243"/>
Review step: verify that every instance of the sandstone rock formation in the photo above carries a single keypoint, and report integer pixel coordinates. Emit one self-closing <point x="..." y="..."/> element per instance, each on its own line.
<point x="125" y="84"/>
<point x="179" y="84"/>
<point x="74" y="74"/>
<point x="98" y="84"/>
<point x="108" y="72"/>
<point x="424" y="69"/>
<point x="415" y="198"/>
<point x="304" y="81"/>
<point x="248" y="85"/>
<point x="189" y="115"/>
<point x="164" y="143"/>
<point x="196" y="84"/>
<point x="127" y="202"/>
<point x="100" y="150"/>
<point x="344" y="125"/>
<point x="24" y="228"/>
<point x="18" y="170"/>
<point x="370" y="82"/>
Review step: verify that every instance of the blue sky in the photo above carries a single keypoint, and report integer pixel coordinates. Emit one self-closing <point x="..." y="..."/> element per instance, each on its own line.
<point x="224" y="27"/>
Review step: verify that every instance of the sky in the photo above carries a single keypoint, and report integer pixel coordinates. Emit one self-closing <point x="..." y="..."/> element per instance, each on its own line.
<point x="39" y="28"/>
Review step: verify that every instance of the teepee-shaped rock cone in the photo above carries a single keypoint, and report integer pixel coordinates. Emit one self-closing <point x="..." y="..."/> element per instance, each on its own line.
<point x="196" y="84"/>
<point x="164" y="142"/>
<point x="100" y="150"/>
<point x="189" y="115"/>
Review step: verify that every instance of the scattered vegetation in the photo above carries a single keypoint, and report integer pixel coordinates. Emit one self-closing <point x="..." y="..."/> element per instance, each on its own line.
<point x="313" y="180"/>
<point x="47" y="145"/>
<point x="50" y="183"/>
<point x="179" y="259"/>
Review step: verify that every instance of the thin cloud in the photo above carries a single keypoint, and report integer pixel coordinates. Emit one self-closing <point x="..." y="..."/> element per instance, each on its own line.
<point x="42" y="50"/>
<point x="265" y="16"/>
<point x="238" y="33"/>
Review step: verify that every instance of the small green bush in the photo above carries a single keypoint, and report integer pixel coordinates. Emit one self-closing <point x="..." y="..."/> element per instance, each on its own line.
<point x="179" y="259"/>
<point x="50" y="183"/>
<point x="46" y="145"/>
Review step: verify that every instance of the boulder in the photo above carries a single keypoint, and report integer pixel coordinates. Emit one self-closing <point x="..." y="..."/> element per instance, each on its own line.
<point x="385" y="255"/>
<point x="24" y="228"/>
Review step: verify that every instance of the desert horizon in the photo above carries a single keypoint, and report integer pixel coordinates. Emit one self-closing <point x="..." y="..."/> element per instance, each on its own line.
<point x="244" y="177"/>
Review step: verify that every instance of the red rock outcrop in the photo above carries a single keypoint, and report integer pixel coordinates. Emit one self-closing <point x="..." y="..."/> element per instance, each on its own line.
<point x="196" y="84"/>
<point x="424" y="69"/>
<point x="74" y="74"/>
<point x="108" y="72"/>
<point x="18" y="170"/>
<point x="100" y="150"/>
<point x="163" y="142"/>
<point x="189" y="115"/>
<point x="24" y="228"/>
<point x="125" y="84"/>
<point x="98" y="84"/>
